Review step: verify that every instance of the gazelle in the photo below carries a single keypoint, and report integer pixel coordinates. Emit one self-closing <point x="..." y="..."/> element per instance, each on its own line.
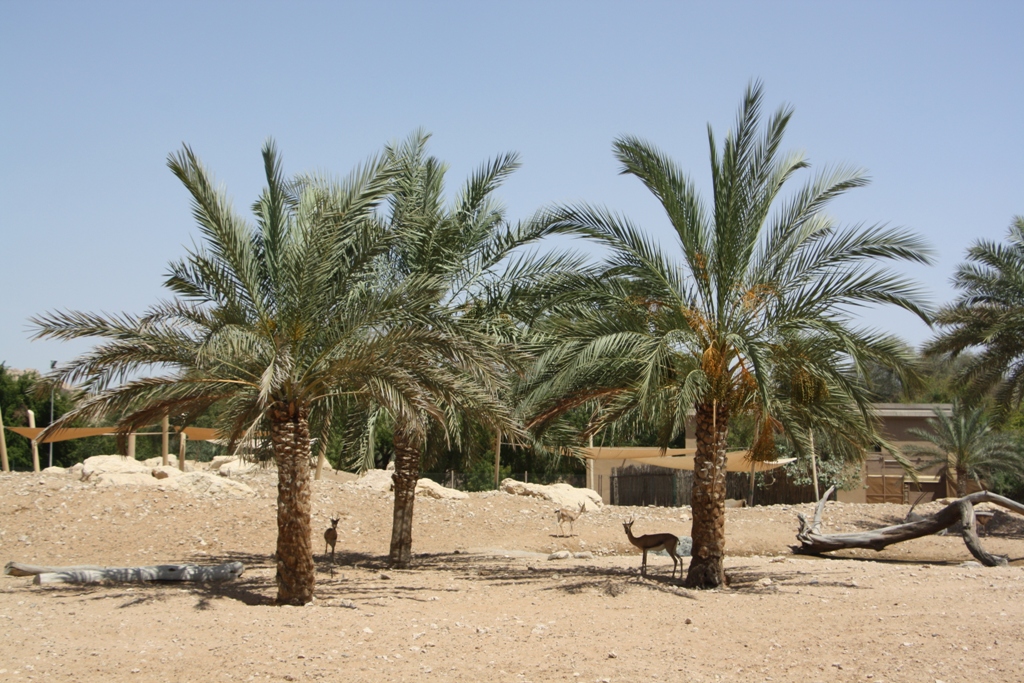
<point x="331" y="537"/>
<point x="570" y="516"/>
<point x="666" y="542"/>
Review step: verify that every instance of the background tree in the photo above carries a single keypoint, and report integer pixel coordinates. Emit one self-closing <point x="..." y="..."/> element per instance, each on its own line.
<point x="988" y="315"/>
<point x="274" y="322"/>
<point x="967" y="446"/>
<point x="758" y="289"/>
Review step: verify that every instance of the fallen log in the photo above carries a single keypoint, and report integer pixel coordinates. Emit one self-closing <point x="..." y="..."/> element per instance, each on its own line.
<point x="88" y="574"/>
<point x="812" y="541"/>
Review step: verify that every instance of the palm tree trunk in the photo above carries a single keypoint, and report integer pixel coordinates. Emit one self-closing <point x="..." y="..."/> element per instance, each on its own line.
<point x="407" y="473"/>
<point x="961" y="482"/>
<point x="707" y="566"/>
<point x="296" y="573"/>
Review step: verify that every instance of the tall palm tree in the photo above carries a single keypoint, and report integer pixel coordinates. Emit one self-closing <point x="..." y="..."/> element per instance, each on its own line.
<point x="967" y="445"/>
<point x="280" y="323"/>
<point x="478" y="274"/>
<point x="756" y="294"/>
<point x="988" y="315"/>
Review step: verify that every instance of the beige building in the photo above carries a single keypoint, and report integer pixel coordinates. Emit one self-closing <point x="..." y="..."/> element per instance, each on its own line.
<point x="882" y="478"/>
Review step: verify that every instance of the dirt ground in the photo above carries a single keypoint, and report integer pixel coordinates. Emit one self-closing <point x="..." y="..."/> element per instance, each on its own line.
<point x="484" y="602"/>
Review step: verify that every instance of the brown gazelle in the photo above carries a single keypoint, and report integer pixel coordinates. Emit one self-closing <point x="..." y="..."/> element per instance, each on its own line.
<point x="564" y="515"/>
<point x="331" y="536"/>
<point x="666" y="542"/>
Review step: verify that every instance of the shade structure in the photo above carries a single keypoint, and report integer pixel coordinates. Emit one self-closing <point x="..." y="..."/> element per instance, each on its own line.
<point x="681" y="458"/>
<point x="193" y="433"/>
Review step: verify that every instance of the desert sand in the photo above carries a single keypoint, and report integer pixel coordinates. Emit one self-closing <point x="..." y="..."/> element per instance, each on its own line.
<point x="484" y="602"/>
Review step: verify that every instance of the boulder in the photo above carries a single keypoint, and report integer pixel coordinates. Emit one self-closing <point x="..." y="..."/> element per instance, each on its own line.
<point x="431" y="489"/>
<point x="112" y="464"/>
<point x="563" y="495"/>
<point x="125" y="479"/>
<point x="560" y="555"/>
<point x="378" y="480"/>
<point x="235" y="467"/>
<point x="219" y="460"/>
<point x="76" y="470"/>
<point x="206" y="483"/>
<point x="53" y="469"/>
<point x="166" y="472"/>
<point x="190" y="465"/>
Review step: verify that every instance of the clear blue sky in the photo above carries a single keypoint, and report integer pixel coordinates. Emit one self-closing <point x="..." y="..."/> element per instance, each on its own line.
<point x="927" y="96"/>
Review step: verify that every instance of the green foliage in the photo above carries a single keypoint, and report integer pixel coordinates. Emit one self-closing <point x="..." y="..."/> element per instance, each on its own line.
<point x="480" y="476"/>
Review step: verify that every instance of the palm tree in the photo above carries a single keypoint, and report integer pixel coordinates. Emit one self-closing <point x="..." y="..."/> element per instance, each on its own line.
<point x="279" y="323"/>
<point x="966" y="444"/>
<point x="988" y="315"/>
<point x="757" y="296"/>
<point x="472" y="257"/>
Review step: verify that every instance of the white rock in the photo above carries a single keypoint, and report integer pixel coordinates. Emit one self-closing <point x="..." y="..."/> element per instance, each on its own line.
<point x="378" y="480"/>
<point x="54" y="469"/>
<point x="564" y="495"/>
<point x="205" y="483"/>
<point x="167" y="472"/>
<point x="219" y="460"/>
<point x="76" y="470"/>
<point x="125" y="479"/>
<point x="560" y="555"/>
<point x="584" y="555"/>
<point x="431" y="489"/>
<point x="236" y="467"/>
<point x="190" y="465"/>
<point x="112" y="464"/>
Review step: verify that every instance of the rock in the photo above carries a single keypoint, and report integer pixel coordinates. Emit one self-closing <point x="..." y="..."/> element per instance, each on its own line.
<point x="431" y="489"/>
<point x="735" y="503"/>
<point x="970" y="563"/>
<point x="166" y="472"/>
<point x="685" y="546"/>
<point x="219" y="460"/>
<point x="190" y="465"/>
<point x="236" y="467"/>
<point x="564" y="495"/>
<point x="76" y="470"/>
<point x="206" y="483"/>
<point x="585" y="555"/>
<point x="125" y="479"/>
<point x="560" y="555"/>
<point x="378" y="480"/>
<point x="53" y="469"/>
<point x="112" y="464"/>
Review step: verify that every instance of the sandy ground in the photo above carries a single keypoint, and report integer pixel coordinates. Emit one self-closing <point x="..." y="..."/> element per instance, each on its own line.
<point x="484" y="603"/>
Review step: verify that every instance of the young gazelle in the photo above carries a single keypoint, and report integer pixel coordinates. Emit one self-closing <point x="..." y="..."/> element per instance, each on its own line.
<point x="564" y="515"/>
<point x="331" y="537"/>
<point x="666" y="542"/>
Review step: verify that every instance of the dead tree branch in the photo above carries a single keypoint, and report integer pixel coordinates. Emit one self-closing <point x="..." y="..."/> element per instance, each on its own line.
<point x="812" y="541"/>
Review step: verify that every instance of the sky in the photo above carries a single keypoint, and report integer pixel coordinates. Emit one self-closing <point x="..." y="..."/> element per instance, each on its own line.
<point x="926" y="96"/>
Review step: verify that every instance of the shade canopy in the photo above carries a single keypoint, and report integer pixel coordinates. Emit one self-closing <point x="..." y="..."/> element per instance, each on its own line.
<point x="680" y="458"/>
<point x="193" y="433"/>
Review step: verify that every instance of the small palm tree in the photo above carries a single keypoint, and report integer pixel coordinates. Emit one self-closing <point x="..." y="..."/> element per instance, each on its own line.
<point x="468" y="259"/>
<point x="966" y="444"/>
<point x="988" y="315"/>
<point x="280" y="324"/>
<point x="754" y="297"/>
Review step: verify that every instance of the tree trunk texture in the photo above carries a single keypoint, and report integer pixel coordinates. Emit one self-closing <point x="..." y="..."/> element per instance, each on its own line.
<point x="296" y="573"/>
<point x="707" y="565"/>
<point x="960" y="510"/>
<point x="162" y="572"/>
<point x="407" y="473"/>
<point x="961" y="482"/>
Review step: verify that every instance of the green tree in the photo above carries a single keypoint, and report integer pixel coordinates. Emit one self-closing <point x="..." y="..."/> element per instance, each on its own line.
<point x="474" y="273"/>
<point x="967" y="445"/>
<point x="277" y="323"/>
<point x="988" y="315"/>
<point x="748" y="316"/>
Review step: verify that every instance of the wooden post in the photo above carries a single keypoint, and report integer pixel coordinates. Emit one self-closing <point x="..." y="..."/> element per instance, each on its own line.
<point x="182" y="443"/>
<point x="165" y="439"/>
<point x="3" y="446"/>
<point x="590" y="466"/>
<point x="814" y="468"/>
<point x="131" y="445"/>
<point x="32" y="442"/>
<point x="750" y="500"/>
<point x="497" y="459"/>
